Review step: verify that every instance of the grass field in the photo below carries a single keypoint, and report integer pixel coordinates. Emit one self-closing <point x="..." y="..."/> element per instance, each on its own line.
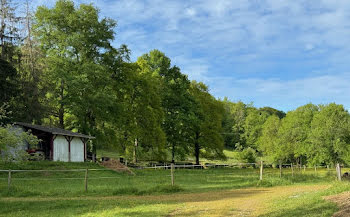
<point x="206" y="192"/>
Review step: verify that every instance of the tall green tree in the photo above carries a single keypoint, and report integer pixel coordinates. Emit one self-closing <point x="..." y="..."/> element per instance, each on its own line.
<point x="294" y="132"/>
<point x="233" y="123"/>
<point x="177" y="102"/>
<point x="143" y="114"/>
<point x="207" y="128"/>
<point x="330" y="135"/>
<point x="268" y="142"/>
<point x="253" y="125"/>
<point x="76" y="44"/>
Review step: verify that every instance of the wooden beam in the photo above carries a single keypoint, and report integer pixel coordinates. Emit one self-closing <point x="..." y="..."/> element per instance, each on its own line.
<point x="53" y="137"/>
<point x="84" y="140"/>
<point x="69" y="140"/>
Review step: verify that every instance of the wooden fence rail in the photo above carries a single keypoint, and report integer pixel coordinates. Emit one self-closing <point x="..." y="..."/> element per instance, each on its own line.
<point x="172" y="168"/>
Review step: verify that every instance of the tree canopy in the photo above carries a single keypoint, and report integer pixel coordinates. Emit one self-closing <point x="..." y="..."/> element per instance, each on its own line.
<point x="62" y="70"/>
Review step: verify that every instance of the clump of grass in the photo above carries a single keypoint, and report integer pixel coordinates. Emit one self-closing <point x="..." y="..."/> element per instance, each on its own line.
<point x="167" y="189"/>
<point x="164" y="189"/>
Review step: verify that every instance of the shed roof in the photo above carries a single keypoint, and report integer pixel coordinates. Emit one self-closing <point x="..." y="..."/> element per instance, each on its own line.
<point x="53" y="130"/>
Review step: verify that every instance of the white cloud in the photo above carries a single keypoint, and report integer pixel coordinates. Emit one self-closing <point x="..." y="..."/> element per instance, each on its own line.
<point x="276" y="92"/>
<point x="283" y="52"/>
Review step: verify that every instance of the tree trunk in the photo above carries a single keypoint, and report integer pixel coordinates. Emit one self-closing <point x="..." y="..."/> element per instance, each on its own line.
<point x="173" y="154"/>
<point x="197" y="148"/>
<point x="135" y="151"/>
<point x="61" y="109"/>
<point x="2" y="29"/>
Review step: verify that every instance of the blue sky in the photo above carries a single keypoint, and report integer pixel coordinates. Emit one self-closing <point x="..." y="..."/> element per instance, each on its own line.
<point x="274" y="53"/>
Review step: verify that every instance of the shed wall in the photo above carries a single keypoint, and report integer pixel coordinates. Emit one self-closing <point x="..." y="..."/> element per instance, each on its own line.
<point x="60" y="149"/>
<point x="77" y="150"/>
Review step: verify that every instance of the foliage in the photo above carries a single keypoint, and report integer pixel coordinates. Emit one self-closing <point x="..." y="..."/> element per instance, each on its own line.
<point x="248" y="155"/>
<point x="60" y="68"/>
<point x="268" y="142"/>
<point x="12" y="142"/>
<point x="207" y="138"/>
<point x="330" y="135"/>
<point x="294" y="131"/>
<point x="253" y="127"/>
<point x="177" y="102"/>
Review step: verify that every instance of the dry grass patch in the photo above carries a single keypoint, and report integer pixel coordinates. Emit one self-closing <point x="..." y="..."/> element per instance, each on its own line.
<point x="343" y="201"/>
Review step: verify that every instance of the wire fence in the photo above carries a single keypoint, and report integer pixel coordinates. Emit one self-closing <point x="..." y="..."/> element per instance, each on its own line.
<point x="195" y="176"/>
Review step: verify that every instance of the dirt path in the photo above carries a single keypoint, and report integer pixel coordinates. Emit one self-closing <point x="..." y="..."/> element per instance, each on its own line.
<point x="243" y="202"/>
<point x="343" y="201"/>
<point x="239" y="202"/>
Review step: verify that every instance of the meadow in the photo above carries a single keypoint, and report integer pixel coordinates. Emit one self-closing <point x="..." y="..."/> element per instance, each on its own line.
<point x="197" y="192"/>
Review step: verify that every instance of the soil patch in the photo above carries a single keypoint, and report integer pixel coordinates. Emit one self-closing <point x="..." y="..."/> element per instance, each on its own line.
<point x="116" y="166"/>
<point x="343" y="201"/>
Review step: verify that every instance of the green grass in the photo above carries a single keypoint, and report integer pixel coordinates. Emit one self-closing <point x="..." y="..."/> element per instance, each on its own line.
<point x="30" y="192"/>
<point x="308" y="204"/>
<point x="107" y="153"/>
<point x="105" y="183"/>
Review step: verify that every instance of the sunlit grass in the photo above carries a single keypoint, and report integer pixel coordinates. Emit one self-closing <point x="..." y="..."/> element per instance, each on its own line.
<point x="59" y="193"/>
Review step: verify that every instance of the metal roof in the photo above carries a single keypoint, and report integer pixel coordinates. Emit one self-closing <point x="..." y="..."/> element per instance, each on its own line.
<point x="53" y="130"/>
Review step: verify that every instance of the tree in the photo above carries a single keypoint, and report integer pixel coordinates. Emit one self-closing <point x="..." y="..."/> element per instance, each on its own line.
<point x="9" y="32"/>
<point x="271" y="111"/>
<point x="177" y="103"/>
<point x="253" y="126"/>
<point x="233" y="123"/>
<point x="268" y="142"/>
<point x="330" y="135"/>
<point x="78" y="55"/>
<point x="294" y="131"/>
<point x="143" y="114"/>
<point x="207" y="127"/>
<point x="8" y="81"/>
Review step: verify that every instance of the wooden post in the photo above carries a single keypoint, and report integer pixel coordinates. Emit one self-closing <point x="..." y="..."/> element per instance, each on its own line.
<point x="172" y="174"/>
<point x="291" y="166"/>
<point x="338" y="172"/>
<point x="261" y="170"/>
<point x="316" y="169"/>
<point x="9" y="180"/>
<point x="327" y="167"/>
<point x="280" y="170"/>
<point x="86" y="180"/>
<point x="304" y="168"/>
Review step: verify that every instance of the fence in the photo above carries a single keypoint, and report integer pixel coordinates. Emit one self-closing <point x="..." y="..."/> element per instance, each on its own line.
<point x="202" y="174"/>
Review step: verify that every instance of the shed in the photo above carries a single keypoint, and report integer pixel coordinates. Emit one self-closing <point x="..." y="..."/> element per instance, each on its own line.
<point x="58" y="144"/>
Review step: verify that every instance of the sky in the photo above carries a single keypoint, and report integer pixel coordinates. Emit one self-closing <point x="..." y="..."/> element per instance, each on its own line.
<point x="281" y="54"/>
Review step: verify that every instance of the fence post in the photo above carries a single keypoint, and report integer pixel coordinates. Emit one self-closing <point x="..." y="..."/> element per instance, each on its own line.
<point x="9" y="180"/>
<point x="261" y="170"/>
<point x="86" y="180"/>
<point x="327" y="167"/>
<point x="304" y="168"/>
<point x="280" y="170"/>
<point x="316" y="169"/>
<point x="291" y="166"/>
<point x="338" y="172"/>
<point x="172" y="174"/>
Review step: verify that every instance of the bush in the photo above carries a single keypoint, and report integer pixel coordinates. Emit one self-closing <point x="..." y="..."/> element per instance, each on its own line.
<point x="248" y="155"/>
<point x="13" y="142"/>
